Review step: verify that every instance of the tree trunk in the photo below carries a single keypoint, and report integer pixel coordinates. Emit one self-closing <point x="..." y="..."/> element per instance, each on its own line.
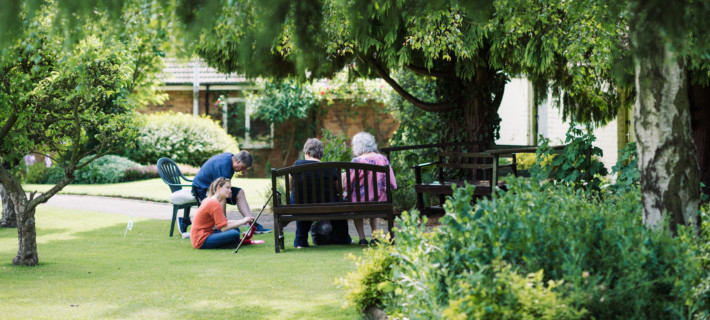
<point x="475" y="116"/>
<point x="700" y="122"/>
<point x="670" y="183"/>
<point x="27" y="237"/>
<point x="8" y="219"/>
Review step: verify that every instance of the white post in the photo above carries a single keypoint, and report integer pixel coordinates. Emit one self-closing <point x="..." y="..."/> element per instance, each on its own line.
<point x="196" y="88"/>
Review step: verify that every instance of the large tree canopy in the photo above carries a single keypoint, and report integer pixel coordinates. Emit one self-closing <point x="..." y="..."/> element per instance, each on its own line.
<point x="471" y="48"/>
<point x="595" y="56"/>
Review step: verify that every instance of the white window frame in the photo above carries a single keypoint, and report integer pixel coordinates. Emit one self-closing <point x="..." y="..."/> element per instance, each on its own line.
<point x="247" y="121"/>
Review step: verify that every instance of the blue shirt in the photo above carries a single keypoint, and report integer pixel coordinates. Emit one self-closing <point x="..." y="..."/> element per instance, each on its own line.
<point x="216" y="167"/>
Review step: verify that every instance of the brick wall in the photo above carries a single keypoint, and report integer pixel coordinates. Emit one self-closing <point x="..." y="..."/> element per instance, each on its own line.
<point x="181" y="101"/>
<point x="338" y="117"/>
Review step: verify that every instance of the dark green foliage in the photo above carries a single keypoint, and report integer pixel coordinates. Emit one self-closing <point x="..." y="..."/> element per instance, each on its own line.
<point x="626" y="168"/>
<point x="577" y="165"/>
<point x="335" y="146"/>
<point x="603" y="261"/>
<point x="416" y="126"/>
<point x="287" y="101"/>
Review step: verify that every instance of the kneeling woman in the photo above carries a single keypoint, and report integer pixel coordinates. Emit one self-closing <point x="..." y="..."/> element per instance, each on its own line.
<point x="210" y="227"/>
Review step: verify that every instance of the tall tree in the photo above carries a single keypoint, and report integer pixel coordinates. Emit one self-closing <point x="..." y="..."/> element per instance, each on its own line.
<point x="664" y="42"/>
<point x="76" y="104"/>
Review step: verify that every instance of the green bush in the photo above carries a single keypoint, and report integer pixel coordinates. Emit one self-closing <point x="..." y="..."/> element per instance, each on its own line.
<point x="370" y="285"/>
<point x="602" y="261"/>
<point x="36" y="173"/>
<point x="626" y="168"/>
<point x="181" y="137"/>
<point x="107" y="169"/>
<point x="54" y="175"/>
<point x="577" y="165"/>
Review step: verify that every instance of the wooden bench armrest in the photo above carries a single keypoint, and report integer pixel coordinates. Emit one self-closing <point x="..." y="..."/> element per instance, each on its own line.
<point x="425" y="164"/>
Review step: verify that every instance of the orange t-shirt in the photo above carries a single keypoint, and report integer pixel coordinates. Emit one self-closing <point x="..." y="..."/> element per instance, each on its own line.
<point x="209" y="215"/>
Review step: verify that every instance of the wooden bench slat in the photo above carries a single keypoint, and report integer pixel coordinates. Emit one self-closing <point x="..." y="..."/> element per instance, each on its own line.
<point x="331" y="205"/>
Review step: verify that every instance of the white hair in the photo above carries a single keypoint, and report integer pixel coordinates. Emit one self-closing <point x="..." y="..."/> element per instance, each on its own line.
<point x="362" y="143"/>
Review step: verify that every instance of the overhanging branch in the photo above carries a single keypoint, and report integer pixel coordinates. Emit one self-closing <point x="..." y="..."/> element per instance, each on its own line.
<point x="426" y="106"/>
<point x="431" y="73"/>
<point x="8" y="125"/>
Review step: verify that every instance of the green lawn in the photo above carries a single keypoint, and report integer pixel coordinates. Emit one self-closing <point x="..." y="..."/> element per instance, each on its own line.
<point x="89" y="270"/>
<point x="257" y="190"/>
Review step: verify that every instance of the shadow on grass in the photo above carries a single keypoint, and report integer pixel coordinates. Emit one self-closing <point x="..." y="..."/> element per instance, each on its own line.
<point x="89" y="270"/>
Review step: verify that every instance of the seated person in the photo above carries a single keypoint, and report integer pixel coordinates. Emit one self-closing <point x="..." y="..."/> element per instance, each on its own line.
<point x="210" y="228"/>
<point x="313" y="151"/>
<point x="365" y="151"/>
<point x="224" y="166"/>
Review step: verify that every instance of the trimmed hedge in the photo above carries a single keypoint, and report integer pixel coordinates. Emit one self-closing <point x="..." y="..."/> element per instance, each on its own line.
<point x="181" y="137"/>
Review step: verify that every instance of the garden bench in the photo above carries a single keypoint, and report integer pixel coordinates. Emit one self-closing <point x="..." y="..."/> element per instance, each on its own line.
<point x="323" y="195"/>
<point x="480" y="169"/>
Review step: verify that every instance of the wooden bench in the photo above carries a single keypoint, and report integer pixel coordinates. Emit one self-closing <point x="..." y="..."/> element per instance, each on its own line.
<point x="480" y="169"/>
<point x="323" y="195"/>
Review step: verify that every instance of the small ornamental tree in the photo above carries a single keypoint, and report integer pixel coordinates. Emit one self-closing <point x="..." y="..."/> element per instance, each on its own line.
<point x="67" y="103"/>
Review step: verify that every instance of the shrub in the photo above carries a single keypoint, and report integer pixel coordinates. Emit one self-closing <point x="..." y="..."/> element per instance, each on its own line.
<point x="107" y="169"/>
<point x="578" y="164"/>
<point x="626" y="168"/>
<point x="370" y="285"/>
<point x="602" y="261"/>
<point x="181" y="137"/>
<point x="36" y="173"/>
<point x="54" y="175"/>
<point x="141" y="173"/>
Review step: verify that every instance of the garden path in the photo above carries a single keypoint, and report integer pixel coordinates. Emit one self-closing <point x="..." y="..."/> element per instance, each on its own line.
<point x="140" y="208"/>
<point x="156" y="210"/>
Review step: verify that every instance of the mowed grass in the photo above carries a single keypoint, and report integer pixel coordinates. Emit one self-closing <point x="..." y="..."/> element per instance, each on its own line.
<point x="89" y="270"/>
<point x="256" y="190"/>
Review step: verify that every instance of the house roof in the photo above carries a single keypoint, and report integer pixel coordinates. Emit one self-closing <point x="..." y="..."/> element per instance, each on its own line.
<point x="180" y="72"/>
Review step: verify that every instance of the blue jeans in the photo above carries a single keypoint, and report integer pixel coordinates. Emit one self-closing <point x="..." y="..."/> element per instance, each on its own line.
<point x="202" y="194"/>
<point x="219" y="239"/>
<point x="302" y="229"/>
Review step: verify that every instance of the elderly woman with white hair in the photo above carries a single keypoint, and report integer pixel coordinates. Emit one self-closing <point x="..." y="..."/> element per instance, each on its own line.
<point x="365" y="151"/>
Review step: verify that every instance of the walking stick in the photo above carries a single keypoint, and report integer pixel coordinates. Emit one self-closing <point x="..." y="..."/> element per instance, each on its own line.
<point x="253" y="224"/>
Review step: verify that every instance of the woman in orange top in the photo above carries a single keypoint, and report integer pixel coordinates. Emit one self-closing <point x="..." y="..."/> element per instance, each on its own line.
<point x="210" y="227"/>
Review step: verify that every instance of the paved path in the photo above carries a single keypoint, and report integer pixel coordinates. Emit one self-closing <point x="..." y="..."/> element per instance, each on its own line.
<point x="140" y="208"/>
<point x="156" y="210"/>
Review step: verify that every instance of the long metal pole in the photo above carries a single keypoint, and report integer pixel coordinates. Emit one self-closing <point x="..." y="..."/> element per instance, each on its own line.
<point x="253" y="223"/>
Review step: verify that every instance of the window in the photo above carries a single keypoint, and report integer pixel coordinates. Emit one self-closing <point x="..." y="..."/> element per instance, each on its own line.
<point x="250" y="133"/>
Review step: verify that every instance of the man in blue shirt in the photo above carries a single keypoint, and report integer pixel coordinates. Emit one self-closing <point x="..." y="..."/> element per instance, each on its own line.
<point x="224" y="166"/>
